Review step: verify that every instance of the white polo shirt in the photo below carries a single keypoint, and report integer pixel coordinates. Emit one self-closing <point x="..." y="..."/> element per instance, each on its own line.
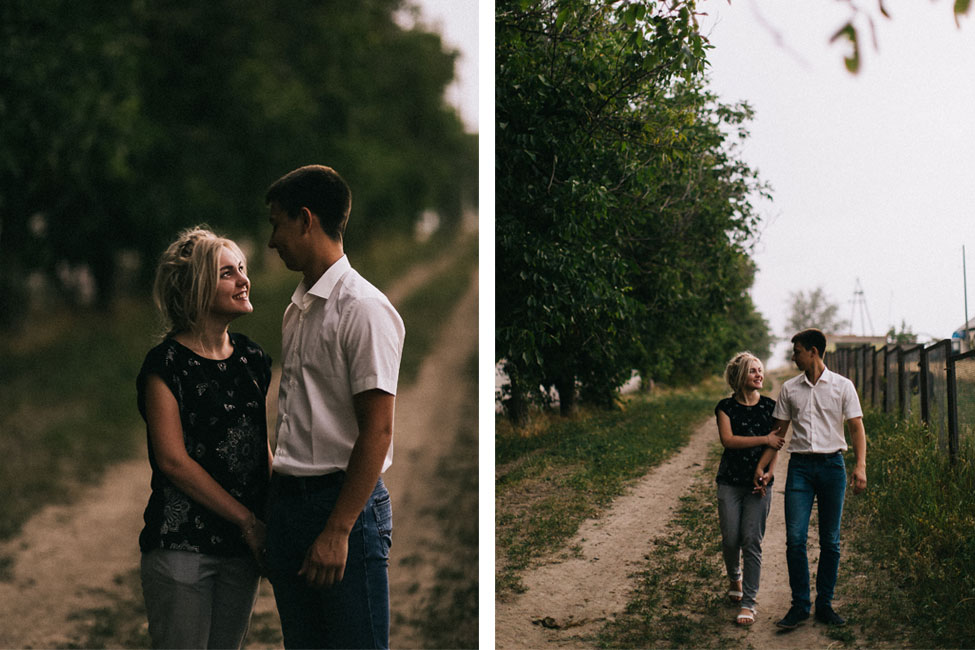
<point x="817" y="411"/>
<point x="341" y="337"/>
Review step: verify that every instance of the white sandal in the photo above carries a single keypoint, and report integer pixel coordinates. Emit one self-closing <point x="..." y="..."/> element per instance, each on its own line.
<point x="746" y="619"/>
<point x="735" y="594"/>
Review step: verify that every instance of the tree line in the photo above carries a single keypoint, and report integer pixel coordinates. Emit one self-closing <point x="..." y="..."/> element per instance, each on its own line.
<point x="623" y="218"/>
<point x="122" y="121"/>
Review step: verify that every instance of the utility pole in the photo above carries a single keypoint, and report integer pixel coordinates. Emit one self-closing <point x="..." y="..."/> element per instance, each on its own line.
<point x="860" y="301"/>
<point x="964" y="277"/>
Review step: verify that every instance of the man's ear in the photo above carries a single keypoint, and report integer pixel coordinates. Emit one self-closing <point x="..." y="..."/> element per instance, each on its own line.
<point x="307" y="220"/>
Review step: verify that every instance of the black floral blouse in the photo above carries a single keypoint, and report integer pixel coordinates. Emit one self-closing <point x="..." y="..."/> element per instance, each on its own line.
<point x="738" y="465"/>
<point x="222" y="412"/>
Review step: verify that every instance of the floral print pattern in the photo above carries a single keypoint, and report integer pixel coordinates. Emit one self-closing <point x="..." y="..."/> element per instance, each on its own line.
<point x="224" y="422"/>
<point x="738" y="465"/>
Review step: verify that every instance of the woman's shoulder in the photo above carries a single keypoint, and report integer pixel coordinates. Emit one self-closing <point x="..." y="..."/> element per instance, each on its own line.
<point x="162" y="353"/>
<point x="247" y="347"/>
<point x="726" y="404"/>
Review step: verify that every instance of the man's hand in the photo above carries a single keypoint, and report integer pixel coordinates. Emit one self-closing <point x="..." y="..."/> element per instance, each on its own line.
<point x="324" y="563"/>
<point x="859" y="480"/>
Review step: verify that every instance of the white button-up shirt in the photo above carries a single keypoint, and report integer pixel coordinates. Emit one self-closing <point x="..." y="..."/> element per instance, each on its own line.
<point x="817" y="411"/>
<point x="341" y="337"/>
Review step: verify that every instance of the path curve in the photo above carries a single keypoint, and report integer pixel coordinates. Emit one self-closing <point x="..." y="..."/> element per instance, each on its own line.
<point x="580" y="593"/>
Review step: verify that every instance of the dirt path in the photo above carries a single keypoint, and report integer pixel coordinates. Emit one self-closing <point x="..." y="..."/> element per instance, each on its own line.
<point x="70" y="559"/>
<point x="581" y="590"/>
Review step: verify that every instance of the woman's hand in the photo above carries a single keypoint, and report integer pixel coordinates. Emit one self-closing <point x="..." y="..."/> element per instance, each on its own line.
<point x="254" y="533"/>
<point x="761" y="481"/>
<point x="774" y="440"/>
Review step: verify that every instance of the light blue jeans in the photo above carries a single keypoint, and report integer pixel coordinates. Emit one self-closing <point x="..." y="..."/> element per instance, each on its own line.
<point x="198" y="601"/>
<point x="742" y="516"/>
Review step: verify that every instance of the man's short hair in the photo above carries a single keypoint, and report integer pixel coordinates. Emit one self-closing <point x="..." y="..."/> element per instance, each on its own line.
<point x="318" y="188"/>
<point x="811" y="338"/>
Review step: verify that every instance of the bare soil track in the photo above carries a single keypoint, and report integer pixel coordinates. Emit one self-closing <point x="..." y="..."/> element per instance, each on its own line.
<point x="70" y="559"/>
<point x="572" y="593"/>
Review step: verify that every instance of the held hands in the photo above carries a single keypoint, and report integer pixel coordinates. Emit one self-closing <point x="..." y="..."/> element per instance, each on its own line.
<point x="760" y="481"/>
<point x="324" y="563"/>
<point x="254" y="533"/>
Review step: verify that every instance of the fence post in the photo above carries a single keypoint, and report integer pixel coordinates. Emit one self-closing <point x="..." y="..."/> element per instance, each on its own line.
<point x="902" y="407"/>
<point x="952" y="410"/>
<point x="923" y="384"/>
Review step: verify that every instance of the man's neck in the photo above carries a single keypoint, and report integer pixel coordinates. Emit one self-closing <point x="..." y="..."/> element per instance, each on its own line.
<point x="322" y="263"/>
<point x="814" y="373"/>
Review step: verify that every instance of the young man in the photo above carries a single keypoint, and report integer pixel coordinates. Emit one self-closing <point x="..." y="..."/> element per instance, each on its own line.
<point x="329" y="521"/>
<point x="816" y="403"/>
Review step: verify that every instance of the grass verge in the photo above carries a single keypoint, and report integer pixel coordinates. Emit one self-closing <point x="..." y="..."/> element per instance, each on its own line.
<point x="914" y="530"/>
<point x="558" y="472"/>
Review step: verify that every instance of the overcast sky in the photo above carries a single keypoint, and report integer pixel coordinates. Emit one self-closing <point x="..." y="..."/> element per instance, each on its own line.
<point x="873" y="175"/>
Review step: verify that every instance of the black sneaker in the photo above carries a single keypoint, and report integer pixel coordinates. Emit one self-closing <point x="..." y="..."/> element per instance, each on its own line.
<point x="793" y="618"/>
<point x="825" y="614"/>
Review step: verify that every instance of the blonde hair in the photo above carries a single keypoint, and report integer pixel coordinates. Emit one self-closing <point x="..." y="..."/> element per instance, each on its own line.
<point x="736" y="372"/>
<point x="186" y="278"/>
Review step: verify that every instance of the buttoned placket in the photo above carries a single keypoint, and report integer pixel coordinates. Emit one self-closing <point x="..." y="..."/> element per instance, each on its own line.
<point x="294" y="364"/>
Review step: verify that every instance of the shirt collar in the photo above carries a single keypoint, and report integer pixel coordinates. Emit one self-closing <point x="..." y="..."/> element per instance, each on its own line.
<point x="825" y="377"/>
<point x="303" y="297"/>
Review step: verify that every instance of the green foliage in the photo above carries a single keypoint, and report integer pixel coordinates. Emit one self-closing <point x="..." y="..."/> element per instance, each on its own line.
<point x="123" y="121"/>
<point x="921" y="525"/>
<point x="903" y="337"/>
<point x="864" y="17"/>
<point x="813" y="309"/>
<point x="622" y="214"/>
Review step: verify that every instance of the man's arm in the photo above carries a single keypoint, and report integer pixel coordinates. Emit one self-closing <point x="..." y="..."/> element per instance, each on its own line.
<point x="324" y="563"/>
<point x="858" y="437"/>
<point x="780" y="427"/>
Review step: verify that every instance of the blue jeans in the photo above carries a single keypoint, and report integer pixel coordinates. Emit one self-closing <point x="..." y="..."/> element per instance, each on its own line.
<point x="195" y="600"/>
<point x="822" y="478"/>
<point x="355" y="612"/>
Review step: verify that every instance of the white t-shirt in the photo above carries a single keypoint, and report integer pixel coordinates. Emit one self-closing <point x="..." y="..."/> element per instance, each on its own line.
<point x="817" y="411"/>
<point x="341" y="337"/>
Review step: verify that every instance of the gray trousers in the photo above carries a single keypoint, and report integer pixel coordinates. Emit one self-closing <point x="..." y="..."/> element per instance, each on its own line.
<point x="198" y="601"/>
<point x="742" y="516"/>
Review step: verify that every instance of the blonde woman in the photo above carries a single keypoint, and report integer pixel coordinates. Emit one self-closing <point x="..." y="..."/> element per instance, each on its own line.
<point x="202" y="394"/>
<point x="745" y="428"/>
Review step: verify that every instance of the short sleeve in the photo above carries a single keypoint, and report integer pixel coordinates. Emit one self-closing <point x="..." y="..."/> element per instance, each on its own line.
<point x="723" y="407"/>
<point x="783" y="406"/>
<point x="160" y="361"/>
<point x="851" y="402"/>
<point x="372" y="336"/>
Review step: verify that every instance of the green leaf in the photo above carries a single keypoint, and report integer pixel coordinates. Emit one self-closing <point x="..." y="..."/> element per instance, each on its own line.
<point x="849" y="32"/>
<point x="961" y="7"/>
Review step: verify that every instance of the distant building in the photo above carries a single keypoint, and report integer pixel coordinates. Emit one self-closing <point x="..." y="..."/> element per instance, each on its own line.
<point x="837" y="341"/>
<point x="961" y="338"/>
